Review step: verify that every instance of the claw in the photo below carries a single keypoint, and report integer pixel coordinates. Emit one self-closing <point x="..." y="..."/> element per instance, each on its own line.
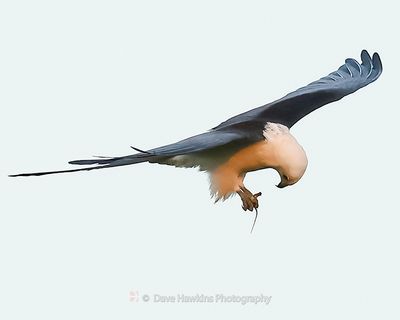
<point x="249" y="200"/>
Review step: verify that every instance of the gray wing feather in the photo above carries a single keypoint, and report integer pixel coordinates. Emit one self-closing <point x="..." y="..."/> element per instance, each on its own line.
<point x="198" y="143"/>
<point x="291" y="108"/>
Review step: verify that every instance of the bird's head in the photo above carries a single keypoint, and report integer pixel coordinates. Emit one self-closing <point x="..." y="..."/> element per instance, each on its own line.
<point x="292" y="166"/>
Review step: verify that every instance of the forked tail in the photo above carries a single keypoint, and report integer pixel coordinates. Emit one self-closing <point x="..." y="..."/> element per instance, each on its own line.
<point x="102" y="162"/>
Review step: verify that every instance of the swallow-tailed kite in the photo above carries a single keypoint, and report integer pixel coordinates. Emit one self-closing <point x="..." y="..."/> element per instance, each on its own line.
<point x="253" y="140"/>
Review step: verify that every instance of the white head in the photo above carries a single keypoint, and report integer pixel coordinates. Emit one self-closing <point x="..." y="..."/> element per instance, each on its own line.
<point x="289" y="157"/>
<point x="292" y="163"/>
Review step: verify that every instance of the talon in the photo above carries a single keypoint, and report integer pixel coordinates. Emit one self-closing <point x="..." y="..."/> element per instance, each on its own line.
<point x="249" y="200"/>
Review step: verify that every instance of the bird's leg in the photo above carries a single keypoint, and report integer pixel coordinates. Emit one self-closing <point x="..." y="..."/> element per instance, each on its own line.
<point x="249" y="200"/>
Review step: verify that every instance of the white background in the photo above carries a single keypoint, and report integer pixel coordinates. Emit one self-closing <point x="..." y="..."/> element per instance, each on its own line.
<point x="81" y="78"/>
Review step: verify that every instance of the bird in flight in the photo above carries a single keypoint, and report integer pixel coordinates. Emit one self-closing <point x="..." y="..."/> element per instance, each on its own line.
<point x="257" y="139"/>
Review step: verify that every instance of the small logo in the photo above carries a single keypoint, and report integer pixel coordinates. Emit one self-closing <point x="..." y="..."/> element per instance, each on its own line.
<point x="134" y="296"/>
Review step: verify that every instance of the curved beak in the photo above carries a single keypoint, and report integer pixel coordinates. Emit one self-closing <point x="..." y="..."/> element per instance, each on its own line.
<point x="284" y="182"/>
<point x="281" y="185"/>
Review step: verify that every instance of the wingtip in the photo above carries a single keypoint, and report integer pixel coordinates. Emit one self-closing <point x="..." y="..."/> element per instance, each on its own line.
<point x="365" y="57"/>
<point x="364" y="52"/>
<point x="373" y="64"/>
<point x="377" y="62"/>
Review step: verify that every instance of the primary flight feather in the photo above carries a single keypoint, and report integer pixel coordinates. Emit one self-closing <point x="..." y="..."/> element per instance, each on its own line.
<point x="253" y="140"/>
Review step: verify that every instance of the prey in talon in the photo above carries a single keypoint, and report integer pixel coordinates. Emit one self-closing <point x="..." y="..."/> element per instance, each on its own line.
<point x="249" y="200"/>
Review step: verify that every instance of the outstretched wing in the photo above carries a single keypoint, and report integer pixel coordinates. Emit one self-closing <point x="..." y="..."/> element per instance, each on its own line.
<point x="206" y="141"/>
<point x="291" y="108"/>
